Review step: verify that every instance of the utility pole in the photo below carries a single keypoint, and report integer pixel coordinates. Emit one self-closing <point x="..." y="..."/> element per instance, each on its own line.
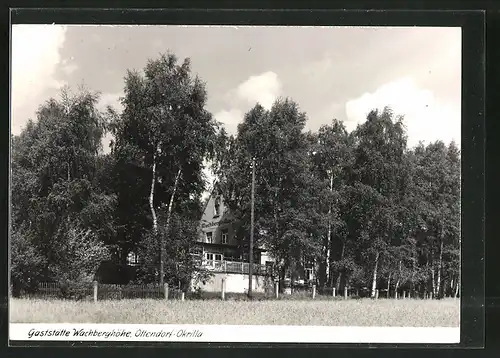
<point x="250" y="266"/>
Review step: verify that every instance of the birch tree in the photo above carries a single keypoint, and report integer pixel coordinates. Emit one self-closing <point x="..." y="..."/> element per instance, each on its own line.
<point x="165" y="122"/>
<point x="378" y="165"/>
<point x="58" y="205"/>
<point x="332" y="160"/>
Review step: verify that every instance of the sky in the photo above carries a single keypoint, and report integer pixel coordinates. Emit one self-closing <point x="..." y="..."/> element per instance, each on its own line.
<point x="331" y="72"/>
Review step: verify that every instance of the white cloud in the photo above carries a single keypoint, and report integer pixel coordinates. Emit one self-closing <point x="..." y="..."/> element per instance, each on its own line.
<point x="230" y="119"/>
<point x="35" y="56"/>
<point x="69" y="68"/>
<point x="426" y="117"/>
<point x="263" y="88"/>
<point x="318" y="69"/>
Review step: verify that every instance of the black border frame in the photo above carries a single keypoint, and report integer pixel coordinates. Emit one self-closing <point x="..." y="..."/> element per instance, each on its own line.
<point x="473" y="131"/>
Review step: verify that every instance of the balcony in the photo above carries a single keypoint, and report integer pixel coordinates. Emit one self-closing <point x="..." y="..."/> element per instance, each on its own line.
<point x="233" y="267"/>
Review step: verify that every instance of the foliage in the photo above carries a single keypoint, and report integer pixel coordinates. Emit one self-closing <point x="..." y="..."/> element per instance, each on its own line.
<point x="362" y="208"/>
<point x="162" y="139"/>
<point x="59" y="208"/>
<point x="180" y="265"/>
<point x="27" y="264"/>
<point x="285" y="208"/>
<point x="83" y="253"/>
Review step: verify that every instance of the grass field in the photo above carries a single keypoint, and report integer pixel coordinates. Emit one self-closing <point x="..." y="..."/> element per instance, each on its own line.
<point x="363" y="312"/>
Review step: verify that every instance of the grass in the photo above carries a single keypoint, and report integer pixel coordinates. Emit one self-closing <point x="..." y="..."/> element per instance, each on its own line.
<point x="362" y="312"/>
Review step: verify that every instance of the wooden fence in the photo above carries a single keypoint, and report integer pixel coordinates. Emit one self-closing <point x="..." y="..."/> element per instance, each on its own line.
<point x="97" y="291"/>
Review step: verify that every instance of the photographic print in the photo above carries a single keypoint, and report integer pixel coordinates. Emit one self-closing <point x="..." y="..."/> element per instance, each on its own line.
<point x="235" y="184"/>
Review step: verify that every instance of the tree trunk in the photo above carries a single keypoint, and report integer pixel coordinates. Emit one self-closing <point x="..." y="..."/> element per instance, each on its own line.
<point x="440" y="268"/>
<point x="329" y="236"/>
<point x="276" y="230"/>
<point x="413" y="271"/>
<point x="374" y="281"/>
<point x="389" y="286"/>
<point x="153" y="211"/>
<point x="398" y="280"/>
<point x="282" y="278"/>
<point x="457" y="287"/>
<point x="339" y="277"/>
<point x="167" y="224"/>
<point x="433" y="279"/>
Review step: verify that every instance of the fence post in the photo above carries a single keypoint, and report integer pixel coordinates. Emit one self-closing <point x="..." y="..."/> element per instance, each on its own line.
<point x="345" y="292"/>
<point x="223" y="288"/>
<point x="95" y="291"/>
<point x="182" y="296"/>
<point x="276" y="289"/>
<point x="314" y="291"/>
<point x="165" y="290"/>
<point x="333" y="292"/>
<point x="404" y="294"/>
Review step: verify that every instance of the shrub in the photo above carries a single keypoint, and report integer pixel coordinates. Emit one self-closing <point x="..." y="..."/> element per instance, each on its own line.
<point x="26" y="264"/>
<point x="81" y="255"/>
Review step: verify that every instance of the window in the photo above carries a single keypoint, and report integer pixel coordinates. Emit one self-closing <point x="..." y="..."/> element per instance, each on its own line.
<point x="218" y="257"/>
<point x="209" y="256"/>
<point x="132" y="259"/>
<point x="209" y="238"/>
<point x="224" y="236"/>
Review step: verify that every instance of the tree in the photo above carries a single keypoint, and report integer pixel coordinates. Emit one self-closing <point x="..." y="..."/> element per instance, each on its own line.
<point x="379" y="160"/>
<point x="165" y="129"/>
<point x="287" y="220"/>
<point x="27" y="264"/>
<point x="438" y="175"/>
<point x="180" y="265"/>
<point x="83" y="254"/>
<point x="55" y="191"/>
<point x="332" y="156"/>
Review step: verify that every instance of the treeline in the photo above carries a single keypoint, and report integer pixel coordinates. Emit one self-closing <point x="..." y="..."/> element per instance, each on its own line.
<point x="367" y="211"/>
<point x="363" y="207"/>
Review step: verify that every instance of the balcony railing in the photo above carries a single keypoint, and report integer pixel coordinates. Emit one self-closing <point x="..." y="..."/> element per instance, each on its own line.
<point x="233" y="267"/>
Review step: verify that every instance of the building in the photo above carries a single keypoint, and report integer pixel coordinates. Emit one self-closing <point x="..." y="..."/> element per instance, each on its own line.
<point x="221" y="254"/>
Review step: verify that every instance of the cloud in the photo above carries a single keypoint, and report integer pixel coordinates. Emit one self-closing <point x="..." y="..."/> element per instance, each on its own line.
<point x="68" y="68"/>
<point x="318" y="69"/>
<point x="35" y="57"/>
<point x="426" y="117"/>
<point x="263" y="88"/>
<point x="230" y="119"/>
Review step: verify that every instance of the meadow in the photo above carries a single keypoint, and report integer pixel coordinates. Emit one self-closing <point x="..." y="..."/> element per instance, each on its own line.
<point x="355" y="312"/>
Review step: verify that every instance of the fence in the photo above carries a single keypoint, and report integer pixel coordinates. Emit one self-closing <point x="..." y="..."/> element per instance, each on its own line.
<point x="98" y="292"/>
